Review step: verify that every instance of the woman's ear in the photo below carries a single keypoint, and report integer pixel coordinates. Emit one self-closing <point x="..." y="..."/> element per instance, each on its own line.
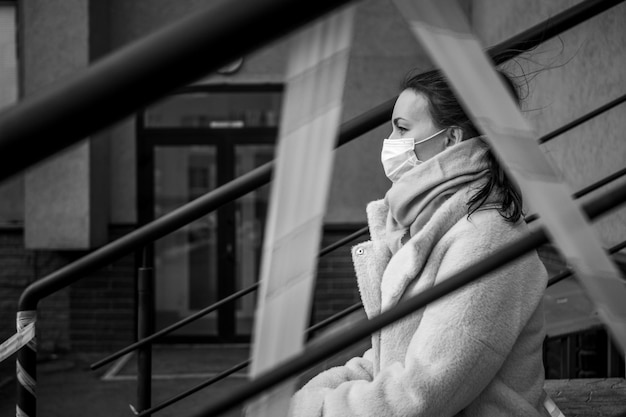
<point x="454" y="135"/>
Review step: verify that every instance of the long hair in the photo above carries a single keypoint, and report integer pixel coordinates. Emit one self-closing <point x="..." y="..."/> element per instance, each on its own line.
<point x="446" y="111"/>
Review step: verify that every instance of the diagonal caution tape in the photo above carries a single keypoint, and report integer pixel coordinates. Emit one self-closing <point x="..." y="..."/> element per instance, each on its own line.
<point x="17" y="341"/>
<point x="552" y="408"/>
<point x="25" y="335"/>
<point x="311" y="116"/>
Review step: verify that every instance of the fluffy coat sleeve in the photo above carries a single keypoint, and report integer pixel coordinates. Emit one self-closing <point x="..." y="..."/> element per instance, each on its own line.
<point x="312" y="394"/>
<point x="458" y="348"/>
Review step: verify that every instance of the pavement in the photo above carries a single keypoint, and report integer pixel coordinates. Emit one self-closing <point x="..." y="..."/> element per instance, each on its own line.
<point x="67" y="387"/>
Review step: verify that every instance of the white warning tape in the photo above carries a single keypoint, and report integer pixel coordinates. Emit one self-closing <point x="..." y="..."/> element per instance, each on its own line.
<point x="19" y="412"/>
<point x="25" y="335"/>
<point x="25" y="379"/>
<point x="552" y="408"/>
<point x="312" y="107"/>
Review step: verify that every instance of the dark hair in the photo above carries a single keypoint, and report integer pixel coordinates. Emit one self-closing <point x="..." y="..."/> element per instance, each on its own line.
<point x="447" y="111"/>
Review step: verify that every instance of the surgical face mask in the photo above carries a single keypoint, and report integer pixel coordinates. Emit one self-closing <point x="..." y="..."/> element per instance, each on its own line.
<point x="398" y="155"/>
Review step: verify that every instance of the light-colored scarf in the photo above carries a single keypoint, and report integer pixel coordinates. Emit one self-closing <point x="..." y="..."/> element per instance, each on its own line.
<point x="456" y="173"/>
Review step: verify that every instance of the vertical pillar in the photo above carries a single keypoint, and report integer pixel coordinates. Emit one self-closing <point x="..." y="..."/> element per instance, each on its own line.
<point x="145" y="327"/>
<point x="26" y="370"/>
<point x="66" y="196"/>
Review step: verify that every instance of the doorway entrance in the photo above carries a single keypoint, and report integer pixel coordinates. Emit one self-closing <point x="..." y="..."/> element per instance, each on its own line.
<point x="190" y="144"/>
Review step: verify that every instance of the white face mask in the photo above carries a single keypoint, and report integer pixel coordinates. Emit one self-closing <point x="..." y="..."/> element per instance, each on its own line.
<point x="398" y="155"/>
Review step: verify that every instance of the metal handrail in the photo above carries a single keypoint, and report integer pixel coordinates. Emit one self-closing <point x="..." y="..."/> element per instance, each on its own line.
<point x="569" y="272"/>
<point x="551" y="281"/>
<point x="582" y="119"/>
<point x="169" y="329"/>
<point x="222" y="375"/>
<point x="365" y="327"/>
<point x="336" y="245"/>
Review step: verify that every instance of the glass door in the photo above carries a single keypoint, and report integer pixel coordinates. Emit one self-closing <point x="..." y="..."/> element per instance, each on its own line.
<point x="185" y="261"/>
<point x="250" y="214"/>
<point x="188" y="145"/>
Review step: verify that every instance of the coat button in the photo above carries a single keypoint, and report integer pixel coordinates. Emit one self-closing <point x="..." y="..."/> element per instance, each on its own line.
<point x="360" y="251"/>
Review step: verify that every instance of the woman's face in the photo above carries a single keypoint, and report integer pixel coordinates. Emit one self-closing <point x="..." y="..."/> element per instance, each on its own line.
<point x="411" y="119"/>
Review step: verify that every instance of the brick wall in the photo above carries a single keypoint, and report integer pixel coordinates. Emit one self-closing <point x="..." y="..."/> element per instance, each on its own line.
<point x="96" y="313"/>
<point x="336" y="288"/>
<point x="15" y="274"/>
<point x="102" y="307"/>
<point x="19" y="268"/>
<point x="53" y="321"/>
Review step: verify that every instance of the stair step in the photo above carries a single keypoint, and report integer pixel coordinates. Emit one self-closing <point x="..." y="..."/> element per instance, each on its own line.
<point x="589" y="397"/>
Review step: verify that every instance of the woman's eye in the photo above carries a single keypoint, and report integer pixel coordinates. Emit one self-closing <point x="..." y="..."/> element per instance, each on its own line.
<point x="399" y="127"/>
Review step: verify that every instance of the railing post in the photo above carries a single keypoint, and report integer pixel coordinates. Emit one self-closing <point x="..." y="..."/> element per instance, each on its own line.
<point x="26" y="369"/>
<point x="145" y="327"/>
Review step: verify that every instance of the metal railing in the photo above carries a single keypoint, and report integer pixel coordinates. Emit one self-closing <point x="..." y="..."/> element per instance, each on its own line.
<point x="68" y="113"/>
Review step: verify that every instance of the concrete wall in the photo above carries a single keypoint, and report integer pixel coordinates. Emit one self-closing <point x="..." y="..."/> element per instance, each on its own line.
<point x="11" y="190"/>
<point x="565" y="78"/>
<point x="65" y="207"/>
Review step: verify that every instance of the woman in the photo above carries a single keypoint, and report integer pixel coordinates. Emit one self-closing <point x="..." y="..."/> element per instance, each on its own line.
<point x="476" y="352"/>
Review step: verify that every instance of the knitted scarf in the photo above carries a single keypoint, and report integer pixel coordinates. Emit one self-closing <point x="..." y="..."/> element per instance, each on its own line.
<point x="454" y="174"/>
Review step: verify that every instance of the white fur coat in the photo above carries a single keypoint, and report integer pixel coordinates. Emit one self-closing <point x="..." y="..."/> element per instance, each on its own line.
<point x="476" y="352"/>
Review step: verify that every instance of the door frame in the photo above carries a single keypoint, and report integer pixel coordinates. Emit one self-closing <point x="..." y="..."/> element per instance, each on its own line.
<point x="225" y="141"/>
